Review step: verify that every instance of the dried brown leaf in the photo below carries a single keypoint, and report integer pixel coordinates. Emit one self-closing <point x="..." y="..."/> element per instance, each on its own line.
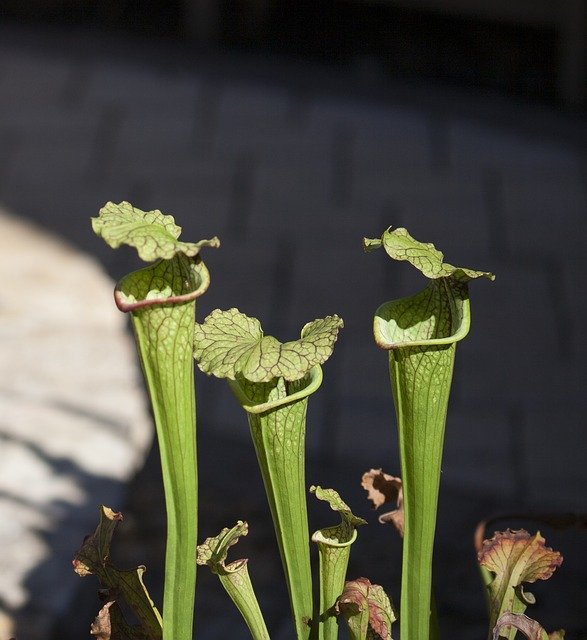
<point x="101" y="628"/>
<point x="383" y="488"/>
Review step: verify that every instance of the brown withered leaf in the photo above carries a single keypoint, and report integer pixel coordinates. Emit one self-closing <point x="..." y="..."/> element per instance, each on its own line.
<point x="93" y="557"/>
<point x="101" y="627"/>
<point x="383" y="488"/>
<point x="530" y="628"/>
<point x="515" y="557"/>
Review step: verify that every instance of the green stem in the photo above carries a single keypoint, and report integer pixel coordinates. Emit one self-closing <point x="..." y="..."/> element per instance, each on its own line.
<point x="240" y="589"/>
<point x="277" y="420"/>
<point x="334" y="559"/>
<point x="163" y="329"/>
<point x="420" y="334"/>
<point x="421" y="422"/>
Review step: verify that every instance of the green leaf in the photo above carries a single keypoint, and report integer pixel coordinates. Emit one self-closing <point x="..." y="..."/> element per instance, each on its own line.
<point x="515" y="557"/>
<point x="337" y="504"/>
<point x="400" y="245"/>
<point x="229" y="344"/>
<point x="94" y="558"/>
<point x="153" y="234"/>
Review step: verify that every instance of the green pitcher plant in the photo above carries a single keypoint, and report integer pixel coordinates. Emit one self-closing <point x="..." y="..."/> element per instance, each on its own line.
<point x="420" y="333"/>
<point x="161" y="300"/>
<point x="272" y="381"/>
<point x="334" y="548"/>
<point x="234" y="576"/>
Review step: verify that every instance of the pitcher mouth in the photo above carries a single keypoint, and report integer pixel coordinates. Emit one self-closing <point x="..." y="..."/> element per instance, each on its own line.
<point x="391" y="335"/>
<point x="314" y="380"/>
<point x="192" y="280"/>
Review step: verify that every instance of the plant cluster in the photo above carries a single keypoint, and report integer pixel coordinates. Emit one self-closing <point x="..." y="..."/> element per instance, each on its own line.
<point x="273" y="381"/>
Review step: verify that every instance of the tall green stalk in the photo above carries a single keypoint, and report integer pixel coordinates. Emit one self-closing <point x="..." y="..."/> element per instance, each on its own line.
<point x="162" y="301"/>
<point x="272" y="382"/>
<point x="420" y="333"/>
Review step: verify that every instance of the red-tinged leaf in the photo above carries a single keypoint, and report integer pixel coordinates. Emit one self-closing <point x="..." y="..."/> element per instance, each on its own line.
<point x="367" y="610"/>
<point x="381" y="614"/>
<point x="515" y="557"/>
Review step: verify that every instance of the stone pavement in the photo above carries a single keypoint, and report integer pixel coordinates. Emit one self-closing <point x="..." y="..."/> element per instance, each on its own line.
<point x="290" y="166"/>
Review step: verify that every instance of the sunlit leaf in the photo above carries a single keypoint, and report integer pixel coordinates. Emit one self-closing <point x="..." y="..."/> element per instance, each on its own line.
<point x="153" y="234"/>
<point x="229" y="343"/>
<point x="213" y="551"/>
<point x="400" y="245"/>
<point x="234" y="576"/>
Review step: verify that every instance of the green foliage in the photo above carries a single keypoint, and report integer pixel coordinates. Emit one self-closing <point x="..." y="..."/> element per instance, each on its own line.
<point x="153" y="234"/>
<point x="420" y="333"/>
<point x="229" y="343"/>
<point x="273" y="381"/>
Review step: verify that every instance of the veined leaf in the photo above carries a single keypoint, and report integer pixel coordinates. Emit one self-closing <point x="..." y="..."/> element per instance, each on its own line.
<point x="153" y="234"/>
<point x="400" y="245"/>
<point x="213" y="551"/>
<point x="229" y="343"/>
<point x="367" y="610"/>
<point x="337" y="504"/>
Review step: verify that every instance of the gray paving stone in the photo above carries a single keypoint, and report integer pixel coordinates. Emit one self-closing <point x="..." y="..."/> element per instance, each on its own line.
<point x="62" y="155"/>
<point x="245" y="103"/>
<point x="74" y="426"/>
<point x="347" y="287"/>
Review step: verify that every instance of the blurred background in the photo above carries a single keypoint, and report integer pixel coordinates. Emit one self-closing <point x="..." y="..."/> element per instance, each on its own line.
<point x="290" y="130"/>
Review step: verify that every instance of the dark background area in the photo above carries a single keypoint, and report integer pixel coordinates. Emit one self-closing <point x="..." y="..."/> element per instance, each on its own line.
<point x="376" y="38"/>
